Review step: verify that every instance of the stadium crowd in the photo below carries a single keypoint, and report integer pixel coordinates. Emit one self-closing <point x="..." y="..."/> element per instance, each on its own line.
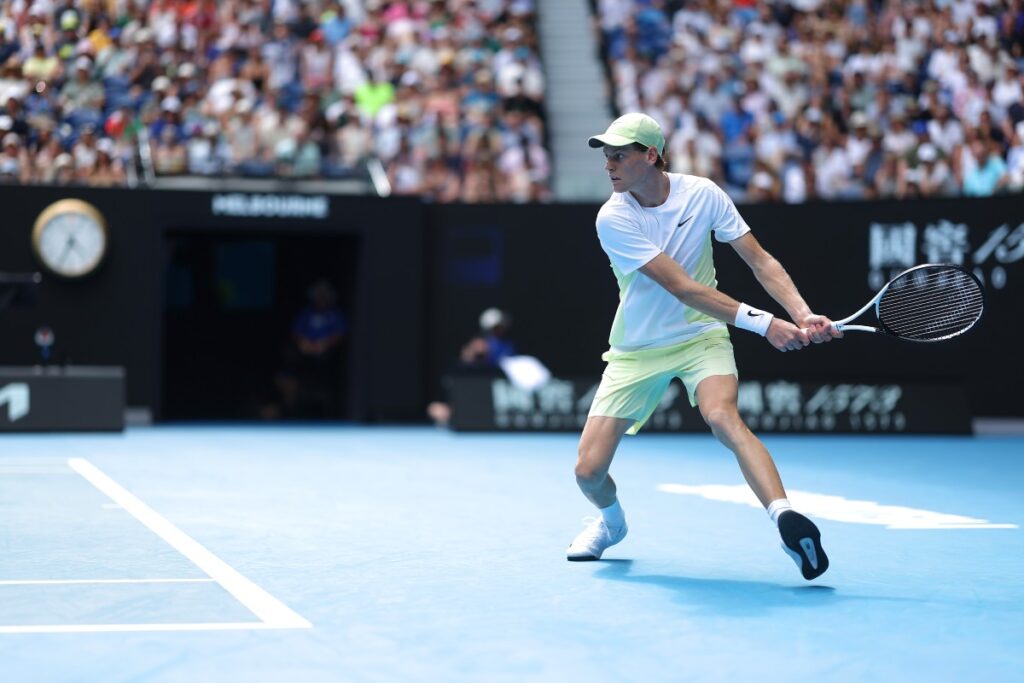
<point x="447" y="94"/>
<point x="777" y="101"/>
<point x="799" y="99"/>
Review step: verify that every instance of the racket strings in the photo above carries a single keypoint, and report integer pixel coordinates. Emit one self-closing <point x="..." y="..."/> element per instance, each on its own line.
<point x="936" y="319"/>
<point x="931" y="305"/>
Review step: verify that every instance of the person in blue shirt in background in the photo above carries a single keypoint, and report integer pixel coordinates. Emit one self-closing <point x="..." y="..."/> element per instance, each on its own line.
<point x="482" y="353"/>
<point x="486" y="349"/>
<point x="311" y="381"/>
<point x="320" y="327"/>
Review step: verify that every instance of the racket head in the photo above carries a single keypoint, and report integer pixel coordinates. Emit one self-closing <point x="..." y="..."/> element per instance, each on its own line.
<point x="931" y="302"/>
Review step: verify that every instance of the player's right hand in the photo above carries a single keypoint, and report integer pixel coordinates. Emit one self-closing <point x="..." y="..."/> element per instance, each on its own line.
<point x="785" y="336"/>
<point x="819" y="328"/>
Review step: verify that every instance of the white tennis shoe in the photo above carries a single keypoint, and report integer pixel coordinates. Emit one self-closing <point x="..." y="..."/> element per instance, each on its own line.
<point x="594" y="540"/>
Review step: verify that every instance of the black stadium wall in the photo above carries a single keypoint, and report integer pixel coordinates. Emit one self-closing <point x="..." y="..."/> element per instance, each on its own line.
<point x="116" y="316"/>
<point x="423" y="273"/>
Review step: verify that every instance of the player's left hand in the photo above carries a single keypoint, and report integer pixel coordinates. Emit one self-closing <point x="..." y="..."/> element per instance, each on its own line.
<point x="819" y="328"/>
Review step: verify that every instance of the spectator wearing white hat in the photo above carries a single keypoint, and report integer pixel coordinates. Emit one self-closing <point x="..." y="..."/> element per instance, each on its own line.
<point x="935" y="179"/>
<point x="64" y="171"/>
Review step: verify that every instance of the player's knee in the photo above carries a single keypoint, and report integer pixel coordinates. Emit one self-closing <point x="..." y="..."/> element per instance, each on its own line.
<point x="721" y="419"/>
<point x="589" y="476"/>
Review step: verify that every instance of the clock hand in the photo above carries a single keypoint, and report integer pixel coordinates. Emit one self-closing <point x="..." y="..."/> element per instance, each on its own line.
<point x="69" y="246"/>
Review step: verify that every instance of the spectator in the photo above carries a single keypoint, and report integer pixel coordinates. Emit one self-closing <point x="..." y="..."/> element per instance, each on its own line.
<point x="107" y="171"/>
<point x="14" y="164"/>
<point x="483" y="352"/>
<point x="1015" y="160"/>
<point x="988" y="174"/>
<point x="944" y="131"/>
<point x="41" y="66"/>
<point x="82" y="97"/>
<point x="934" y="175"/>
<point x="890" y="180"/>
<point x="169" y="156"/>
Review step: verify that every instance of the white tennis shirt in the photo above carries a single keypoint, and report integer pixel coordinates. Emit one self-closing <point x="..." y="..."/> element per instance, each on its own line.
<point x="631" y="235"/>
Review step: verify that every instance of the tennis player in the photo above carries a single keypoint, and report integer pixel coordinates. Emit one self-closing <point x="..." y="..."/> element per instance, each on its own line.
<point x="671" y="322"/>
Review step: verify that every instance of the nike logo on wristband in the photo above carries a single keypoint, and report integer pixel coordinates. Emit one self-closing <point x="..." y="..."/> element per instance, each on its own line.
<point x="684" y="222"/>
<point x="754" y="315"/>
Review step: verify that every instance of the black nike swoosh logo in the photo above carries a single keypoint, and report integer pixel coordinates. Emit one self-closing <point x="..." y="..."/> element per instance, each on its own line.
<point x="754" y="315"/>
<point x="684" y="222"/>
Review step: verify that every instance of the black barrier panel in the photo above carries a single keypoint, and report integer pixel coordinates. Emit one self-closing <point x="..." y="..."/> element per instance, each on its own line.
<point x="545" y="266"/>
<point x="114" y="316"/>
<point x="110" y="318"/>
<point x="774" y="405"/>
<point x="36" y="399"/>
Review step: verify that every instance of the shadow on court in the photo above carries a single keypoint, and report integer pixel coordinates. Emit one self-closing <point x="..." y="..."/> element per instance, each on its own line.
<point x="736" y="598"/>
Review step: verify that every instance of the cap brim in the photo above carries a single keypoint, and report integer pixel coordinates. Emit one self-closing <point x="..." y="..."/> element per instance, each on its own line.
<point x="610" y="140"/>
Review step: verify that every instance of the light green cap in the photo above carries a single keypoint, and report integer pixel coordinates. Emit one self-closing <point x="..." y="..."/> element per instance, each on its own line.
<point x="630" y="128"/>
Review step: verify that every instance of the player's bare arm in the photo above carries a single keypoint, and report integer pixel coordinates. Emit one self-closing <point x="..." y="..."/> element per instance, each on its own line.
<point x="776" y="281"/>
<point x="783" y="335"/>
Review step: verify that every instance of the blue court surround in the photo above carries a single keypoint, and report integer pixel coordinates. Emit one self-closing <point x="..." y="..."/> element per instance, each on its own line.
<point x="420" y="555"/>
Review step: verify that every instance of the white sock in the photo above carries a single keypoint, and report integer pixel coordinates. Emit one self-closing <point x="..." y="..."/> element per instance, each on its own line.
<point x="613" y="515"/>
<point x="777" y="507"/>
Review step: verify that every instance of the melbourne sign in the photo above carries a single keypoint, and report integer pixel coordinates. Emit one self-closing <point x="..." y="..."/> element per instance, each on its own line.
<point x="270" y="205"/>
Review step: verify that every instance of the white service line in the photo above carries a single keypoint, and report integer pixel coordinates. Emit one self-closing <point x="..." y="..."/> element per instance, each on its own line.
<point x="63" y="582"/>
<point x="113" y="628"/>
<point x="271" y="611"/>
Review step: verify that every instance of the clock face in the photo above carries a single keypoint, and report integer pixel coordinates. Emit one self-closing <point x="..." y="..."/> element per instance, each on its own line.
<point x="70" y="239"/>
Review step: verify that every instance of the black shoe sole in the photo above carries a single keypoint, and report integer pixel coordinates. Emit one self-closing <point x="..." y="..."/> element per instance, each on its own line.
<point x="587" y="558"/>
<point x="797" y="533"/>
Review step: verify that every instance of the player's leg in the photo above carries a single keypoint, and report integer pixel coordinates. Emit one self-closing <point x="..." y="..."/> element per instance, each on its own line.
<point x="716" y="397"/>
<point x="600" y="439"/>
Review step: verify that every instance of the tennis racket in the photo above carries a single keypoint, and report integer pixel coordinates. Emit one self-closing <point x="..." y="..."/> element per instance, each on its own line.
<point x="926" y="303"/>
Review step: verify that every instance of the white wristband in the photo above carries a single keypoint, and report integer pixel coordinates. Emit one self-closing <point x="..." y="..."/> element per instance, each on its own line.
<point x="753" y="320"/>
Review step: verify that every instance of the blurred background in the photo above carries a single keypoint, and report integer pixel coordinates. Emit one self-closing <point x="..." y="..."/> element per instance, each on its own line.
<point x="299" y="210"/>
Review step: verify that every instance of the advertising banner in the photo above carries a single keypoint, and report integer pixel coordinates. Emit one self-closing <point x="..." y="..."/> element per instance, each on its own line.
<point x="773" y="405"/>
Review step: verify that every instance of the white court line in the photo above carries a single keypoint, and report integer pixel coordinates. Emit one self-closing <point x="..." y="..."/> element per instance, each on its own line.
<point x="114" y="628"/>
<point x="67" y="582"/>
<point x="841" y="509"/>
<point x="271" y="611"/>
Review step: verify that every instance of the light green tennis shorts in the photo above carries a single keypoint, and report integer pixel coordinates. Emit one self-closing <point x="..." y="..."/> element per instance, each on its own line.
<point x="634" y="382"/>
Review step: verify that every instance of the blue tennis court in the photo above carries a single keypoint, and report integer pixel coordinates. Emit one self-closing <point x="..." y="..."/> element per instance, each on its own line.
<point x="380" y="554"/>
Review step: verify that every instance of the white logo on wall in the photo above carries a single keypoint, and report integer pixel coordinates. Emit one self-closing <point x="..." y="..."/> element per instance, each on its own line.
<point x="16" y="397"/>
<point x="893" y="247"/>
<point x="860" y="407"/>
<point x="270" y="205"/>
<point x="552" y="406"/>
<point x="779" y="405"/>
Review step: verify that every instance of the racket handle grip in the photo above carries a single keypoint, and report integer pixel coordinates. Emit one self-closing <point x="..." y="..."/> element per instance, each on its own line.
<point x="836" y="328"/>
